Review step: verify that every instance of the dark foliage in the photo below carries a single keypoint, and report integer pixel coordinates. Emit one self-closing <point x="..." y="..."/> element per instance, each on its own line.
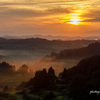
<point x="42" y="79"/>
<point x="6" y="68"/>
<point x="91" y="50"/>
<point x="23" y="69"/>
<point x="83" y="78"/>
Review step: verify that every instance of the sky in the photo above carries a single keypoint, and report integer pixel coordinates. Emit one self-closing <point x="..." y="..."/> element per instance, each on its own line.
<point x="50" y="17"/>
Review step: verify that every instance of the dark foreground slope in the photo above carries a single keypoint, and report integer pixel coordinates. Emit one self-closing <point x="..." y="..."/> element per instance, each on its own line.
<point x="82" y="82"/>
<point x="91" y="50"/>
<point x="75" y="83"/>
<point x="84" y="78"/>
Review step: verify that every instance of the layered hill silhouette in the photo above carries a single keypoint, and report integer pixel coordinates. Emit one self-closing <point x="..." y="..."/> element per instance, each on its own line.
<point x="91" y="50"/>
<point x="41" y="44"/>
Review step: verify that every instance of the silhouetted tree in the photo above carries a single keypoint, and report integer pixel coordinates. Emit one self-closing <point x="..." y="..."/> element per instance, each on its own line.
<point x="51" y="71"/>
<point x="41" y="80"/>
<point x="23" y="69"/>
<point x="6" y="68"/>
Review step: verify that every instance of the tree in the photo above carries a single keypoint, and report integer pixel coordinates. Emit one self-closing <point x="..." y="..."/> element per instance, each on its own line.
<point x="6" y="68"/>
<point x="23" y="69"/>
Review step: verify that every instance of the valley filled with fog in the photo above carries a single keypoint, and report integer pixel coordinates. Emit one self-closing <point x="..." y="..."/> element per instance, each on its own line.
<point x="38" y="54"/>
<point x="33" y="51"/>
<point x="35" y="60"/>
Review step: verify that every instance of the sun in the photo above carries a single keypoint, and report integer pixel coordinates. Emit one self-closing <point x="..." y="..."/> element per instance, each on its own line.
<point x="75" y="20"/>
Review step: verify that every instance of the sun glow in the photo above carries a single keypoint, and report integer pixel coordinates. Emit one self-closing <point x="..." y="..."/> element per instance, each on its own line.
<point x="75" y="20"/>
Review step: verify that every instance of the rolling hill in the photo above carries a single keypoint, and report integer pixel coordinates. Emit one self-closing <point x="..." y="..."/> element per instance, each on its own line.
<point x="91" y="50"/>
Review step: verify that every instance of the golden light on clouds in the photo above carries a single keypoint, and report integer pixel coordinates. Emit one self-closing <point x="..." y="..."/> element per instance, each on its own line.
<point x="75" y="20"/>
<point x="50" y="17"/>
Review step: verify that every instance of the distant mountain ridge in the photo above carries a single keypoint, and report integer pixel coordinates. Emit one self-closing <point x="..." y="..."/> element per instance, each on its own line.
<point x="51" y="37"/>
<point x="42" y="44"/>
<point x="91" y="50"/>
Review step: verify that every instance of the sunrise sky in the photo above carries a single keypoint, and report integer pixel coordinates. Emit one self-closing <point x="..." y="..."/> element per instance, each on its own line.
<point x="50" y="17"/>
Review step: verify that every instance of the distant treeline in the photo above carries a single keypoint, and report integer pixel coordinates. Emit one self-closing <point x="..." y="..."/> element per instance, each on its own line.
<point x="90" y="50"/>
<point x="6" y="68"/>
<point x="41" y="44"/>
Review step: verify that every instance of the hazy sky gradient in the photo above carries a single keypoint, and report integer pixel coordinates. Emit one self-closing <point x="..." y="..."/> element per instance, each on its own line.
<point x="50" y="17"/>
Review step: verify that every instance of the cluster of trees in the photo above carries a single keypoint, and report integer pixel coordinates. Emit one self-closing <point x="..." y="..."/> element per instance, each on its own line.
<point x="6" y="68"/>
<point x="42" y="79"/>
<point x="23" y="69"/>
